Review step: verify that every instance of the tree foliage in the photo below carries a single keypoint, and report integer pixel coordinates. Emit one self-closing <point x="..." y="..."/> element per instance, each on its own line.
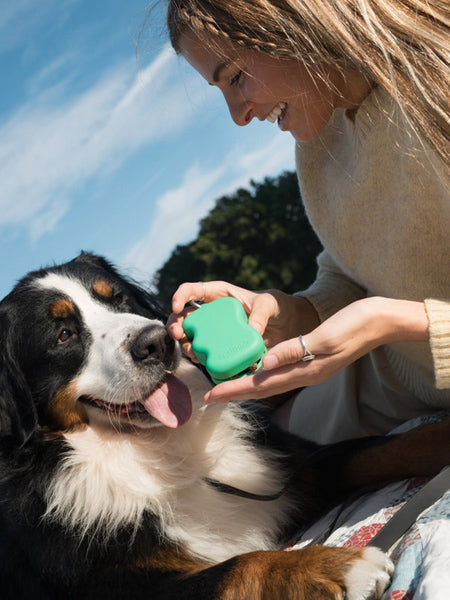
<point x="258" y="238"/>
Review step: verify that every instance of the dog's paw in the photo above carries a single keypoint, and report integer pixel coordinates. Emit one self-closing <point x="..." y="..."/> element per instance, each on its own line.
<point x="369" y="576"/>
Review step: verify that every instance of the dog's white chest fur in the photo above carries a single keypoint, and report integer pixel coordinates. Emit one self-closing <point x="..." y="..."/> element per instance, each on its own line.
<point x="110" y="480"/>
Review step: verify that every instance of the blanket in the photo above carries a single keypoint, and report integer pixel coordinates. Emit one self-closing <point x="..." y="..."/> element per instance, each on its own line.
<point x="421" y="557"/>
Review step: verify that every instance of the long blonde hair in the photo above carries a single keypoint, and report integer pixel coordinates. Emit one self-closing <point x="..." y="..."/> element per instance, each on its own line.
<point x="402" y="45"/>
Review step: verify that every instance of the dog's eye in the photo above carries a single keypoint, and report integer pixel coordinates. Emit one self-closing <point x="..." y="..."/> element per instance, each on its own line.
<point x="64" y="335"/>
<point x="118" y="299"/>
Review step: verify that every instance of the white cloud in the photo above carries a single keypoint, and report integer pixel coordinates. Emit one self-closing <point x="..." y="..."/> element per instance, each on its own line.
<point x="60" y="69"/>
<point x="54" y="144"/>
<point x="266" y="160"/>
<point x="180" y="209"/>
<point x="178" y="212"/>
<point x="49" y="149"/>
<point x="19" y="19"/>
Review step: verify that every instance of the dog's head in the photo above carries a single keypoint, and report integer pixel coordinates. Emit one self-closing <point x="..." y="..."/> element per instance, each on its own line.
<point x="80" y="343"/>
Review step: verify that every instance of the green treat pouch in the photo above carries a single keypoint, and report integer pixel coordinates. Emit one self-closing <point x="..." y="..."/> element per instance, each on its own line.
<point x="223" y="341"/>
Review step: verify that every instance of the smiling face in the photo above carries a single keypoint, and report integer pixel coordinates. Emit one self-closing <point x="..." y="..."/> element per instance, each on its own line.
<point x="266" y="87"/>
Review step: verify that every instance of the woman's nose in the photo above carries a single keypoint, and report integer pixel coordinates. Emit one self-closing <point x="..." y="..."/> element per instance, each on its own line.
<point x="241" y="111"/>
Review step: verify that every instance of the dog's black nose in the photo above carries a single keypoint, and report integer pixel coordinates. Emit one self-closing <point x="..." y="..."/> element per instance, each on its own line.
<point x="152" y="344"/>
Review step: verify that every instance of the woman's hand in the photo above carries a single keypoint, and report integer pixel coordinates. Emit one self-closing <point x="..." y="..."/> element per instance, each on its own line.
<point x="336" y="343"/>
<point x="276" y="315"/>
<point x="280" y="318"/>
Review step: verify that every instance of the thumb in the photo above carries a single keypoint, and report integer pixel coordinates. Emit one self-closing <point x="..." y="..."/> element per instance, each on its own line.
<point x="285" y="353"/>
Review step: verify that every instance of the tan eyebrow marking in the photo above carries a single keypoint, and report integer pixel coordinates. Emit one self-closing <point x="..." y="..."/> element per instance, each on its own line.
<point x="61" y="309"/>
<point x="104" y="289"/>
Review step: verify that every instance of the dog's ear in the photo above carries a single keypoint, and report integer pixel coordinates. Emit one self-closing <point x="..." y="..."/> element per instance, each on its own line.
<point x="148" y="302"/>
<point x="18" y="417"/>
<point x="93" y="259"/>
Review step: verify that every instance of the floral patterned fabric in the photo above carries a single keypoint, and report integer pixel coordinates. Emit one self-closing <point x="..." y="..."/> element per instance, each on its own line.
<point x="421" y="557"/>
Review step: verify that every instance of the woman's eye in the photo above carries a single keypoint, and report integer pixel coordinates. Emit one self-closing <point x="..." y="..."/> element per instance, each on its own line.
<point x="236" y="78"/>
<point x="64" y="335"/>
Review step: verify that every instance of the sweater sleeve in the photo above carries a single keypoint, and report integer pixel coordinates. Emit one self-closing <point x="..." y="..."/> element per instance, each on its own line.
<point x="332" y="289"/>
<point x="438" y="312"/>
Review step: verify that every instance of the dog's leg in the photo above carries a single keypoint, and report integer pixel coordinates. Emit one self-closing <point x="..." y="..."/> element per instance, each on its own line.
<point x="319" y="572"/>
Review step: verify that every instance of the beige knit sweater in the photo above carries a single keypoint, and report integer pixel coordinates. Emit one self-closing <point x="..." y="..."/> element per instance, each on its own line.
<point x="380" y="204"/>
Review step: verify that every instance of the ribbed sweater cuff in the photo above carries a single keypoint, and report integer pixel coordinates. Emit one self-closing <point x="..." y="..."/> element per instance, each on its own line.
<point x="438" y="312"/>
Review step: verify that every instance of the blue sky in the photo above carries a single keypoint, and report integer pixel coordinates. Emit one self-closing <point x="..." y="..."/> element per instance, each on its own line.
<point x="99" y="151"/>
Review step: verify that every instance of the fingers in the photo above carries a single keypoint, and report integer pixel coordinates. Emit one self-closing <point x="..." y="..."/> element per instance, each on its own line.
<point x="262" y="385"/>
<point x="261" y="308"/>
<point x="188" y="292"/>
<point x="288" y="353"/>
<point x="290" y="364"/>
<point x="174" y="326"/>
<point x="204" y="292"/>
<point x="283" y="370"/>
<point x="198" y="292"/>
<point x="207" y="291"/>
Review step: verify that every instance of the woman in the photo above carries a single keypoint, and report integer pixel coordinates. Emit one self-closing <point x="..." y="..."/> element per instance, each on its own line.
<point x="363" y="88"/>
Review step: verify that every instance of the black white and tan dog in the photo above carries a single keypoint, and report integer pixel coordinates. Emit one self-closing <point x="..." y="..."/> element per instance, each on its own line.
<point x="109" y="463"/>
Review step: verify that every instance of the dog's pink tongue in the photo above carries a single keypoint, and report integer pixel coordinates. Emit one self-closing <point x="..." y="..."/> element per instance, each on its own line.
<point x="170" y="403"/>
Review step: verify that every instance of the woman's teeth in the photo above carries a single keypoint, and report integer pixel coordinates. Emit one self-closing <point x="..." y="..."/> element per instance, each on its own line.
<point x="276" y="112"/>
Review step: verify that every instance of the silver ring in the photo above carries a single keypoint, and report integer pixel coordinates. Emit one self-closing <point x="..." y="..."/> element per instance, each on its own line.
<point x="307" y="355"/>
<point x="194" y="302"/>
<point x="202" y="299"/>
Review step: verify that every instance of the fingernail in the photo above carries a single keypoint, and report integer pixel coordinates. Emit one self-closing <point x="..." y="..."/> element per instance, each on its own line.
<point x="270" y="362"/>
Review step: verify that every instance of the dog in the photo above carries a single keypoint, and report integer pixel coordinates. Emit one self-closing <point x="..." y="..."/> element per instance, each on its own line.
<point x="117" y="481"/>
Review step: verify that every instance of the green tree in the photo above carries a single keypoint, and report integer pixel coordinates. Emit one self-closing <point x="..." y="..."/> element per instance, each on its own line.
<point x="258" y="238"/>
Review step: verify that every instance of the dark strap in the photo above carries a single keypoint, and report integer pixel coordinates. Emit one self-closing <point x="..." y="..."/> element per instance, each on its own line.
<point x="229" y="489"/>
<point x="407" y="515"/>
<point x="392" y="531"/>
